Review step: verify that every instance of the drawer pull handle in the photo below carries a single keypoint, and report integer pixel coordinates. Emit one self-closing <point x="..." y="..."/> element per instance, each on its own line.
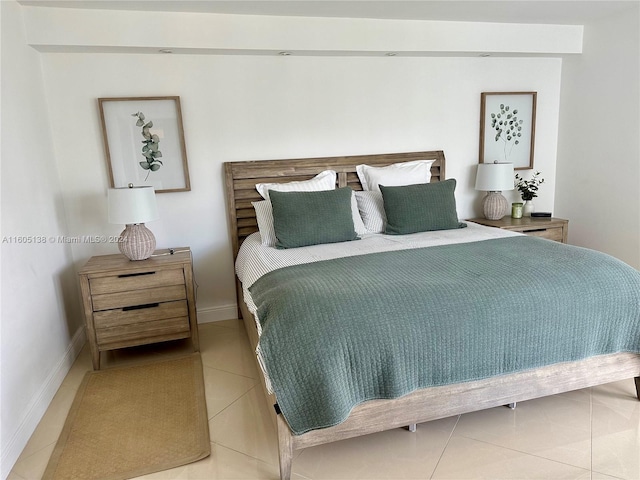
<point x="125" y="275"/>
<point x="140" y="307"/>
<point x="536" y="230"/>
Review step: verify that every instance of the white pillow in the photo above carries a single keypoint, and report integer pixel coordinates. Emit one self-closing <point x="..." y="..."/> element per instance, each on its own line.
<point x="264" y="216"/>
<point x="371" y="207"/>
<point x="396" y="175"/>
<point x="358" y="224"/>
<point x="323" y="181"/>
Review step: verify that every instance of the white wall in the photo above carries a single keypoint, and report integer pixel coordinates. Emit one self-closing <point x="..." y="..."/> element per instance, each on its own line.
<point x="40" y="309"/>
<point x="599" y="152"/>
<point x="83" y="30"/>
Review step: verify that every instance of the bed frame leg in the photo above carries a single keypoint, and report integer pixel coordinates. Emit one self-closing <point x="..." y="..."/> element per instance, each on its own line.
<point x="285" y="448"/>
<point x="637" y="379"/>
<point x="412" y="428"/>
<point x="512" y="405"/>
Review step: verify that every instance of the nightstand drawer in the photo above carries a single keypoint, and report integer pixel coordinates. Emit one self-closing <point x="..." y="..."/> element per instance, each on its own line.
<point x="140" y="333"/>
<point x="134" y="298"/>
<point x="144" y="313"/>
<point x="551" y="233"/>
<point x="136" y="281"/>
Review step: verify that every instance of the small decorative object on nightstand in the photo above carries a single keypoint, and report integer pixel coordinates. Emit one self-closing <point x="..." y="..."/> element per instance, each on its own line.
<point x="545" y="227"/>
<point x="493" y="178"/>
<point x="528" y="191"/>
<point x="516" y="210"/>
<point x="135" y="303"/>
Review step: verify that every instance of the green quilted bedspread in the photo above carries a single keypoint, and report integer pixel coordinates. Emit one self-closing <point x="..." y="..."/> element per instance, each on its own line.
<point x="339" y="332"/>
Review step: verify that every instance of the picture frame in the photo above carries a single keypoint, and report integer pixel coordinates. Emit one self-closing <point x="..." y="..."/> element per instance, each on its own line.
<point x="144" y="142"/>
<point x="513" y="140"/>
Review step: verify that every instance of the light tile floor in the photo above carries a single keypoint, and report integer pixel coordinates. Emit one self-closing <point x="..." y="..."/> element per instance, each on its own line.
<point x="587" y="434"/>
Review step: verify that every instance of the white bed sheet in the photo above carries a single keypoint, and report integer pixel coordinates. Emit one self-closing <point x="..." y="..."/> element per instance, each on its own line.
<point x="255" y="260"/>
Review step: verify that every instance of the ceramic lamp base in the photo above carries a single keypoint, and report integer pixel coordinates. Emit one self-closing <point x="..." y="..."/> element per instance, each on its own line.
<point x="495" y="206"/>
<point x="137" y="242"/>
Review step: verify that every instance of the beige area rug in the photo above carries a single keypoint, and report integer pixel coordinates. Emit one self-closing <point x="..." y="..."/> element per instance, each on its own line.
<point x="130" y="421"/>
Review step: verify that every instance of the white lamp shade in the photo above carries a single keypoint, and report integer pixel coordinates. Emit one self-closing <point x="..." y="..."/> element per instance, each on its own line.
<point x="494" y="177"/>
<point x="131" y="205"/>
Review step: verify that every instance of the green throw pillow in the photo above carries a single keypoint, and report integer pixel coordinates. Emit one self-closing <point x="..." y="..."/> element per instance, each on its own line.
<point x="311" y="218"/>
<point x="420" y="208"/>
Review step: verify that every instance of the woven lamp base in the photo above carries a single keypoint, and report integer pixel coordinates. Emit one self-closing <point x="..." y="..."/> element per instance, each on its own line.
<point x="495" y="206"/>
<point x="137" y="242"/>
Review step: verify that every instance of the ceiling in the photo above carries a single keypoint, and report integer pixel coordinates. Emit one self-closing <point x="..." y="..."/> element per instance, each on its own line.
<point x="567" y="12"/>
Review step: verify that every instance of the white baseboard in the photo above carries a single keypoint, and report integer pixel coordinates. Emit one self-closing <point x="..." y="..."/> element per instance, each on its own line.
<point x="39" y="404"/>
<point x="217" y="314"/>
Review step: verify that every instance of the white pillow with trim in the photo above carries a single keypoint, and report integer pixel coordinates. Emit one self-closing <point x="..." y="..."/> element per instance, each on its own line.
<point x="396" y="175"/>
<point x="323" y="181"/>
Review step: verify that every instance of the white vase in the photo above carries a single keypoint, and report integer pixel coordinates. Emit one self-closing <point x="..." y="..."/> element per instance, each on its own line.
<point x="527" y="208"/>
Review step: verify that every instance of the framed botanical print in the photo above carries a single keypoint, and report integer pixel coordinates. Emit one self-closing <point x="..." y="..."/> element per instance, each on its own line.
<point x="144" y="142"/>
<point x="507" y="128"/>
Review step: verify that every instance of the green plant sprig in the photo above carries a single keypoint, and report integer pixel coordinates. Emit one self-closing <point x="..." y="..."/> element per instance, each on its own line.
<point x="529" y="188"/>
<point x="508" y="127"/>
<point x="150" y="145"/>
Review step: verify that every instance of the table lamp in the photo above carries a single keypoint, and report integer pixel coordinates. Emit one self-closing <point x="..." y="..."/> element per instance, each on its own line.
<point x="493" y="178"/>
<point x="134" y="206"/>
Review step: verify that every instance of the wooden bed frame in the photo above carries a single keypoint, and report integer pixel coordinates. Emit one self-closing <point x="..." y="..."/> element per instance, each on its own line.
<point x="426" y="404"/>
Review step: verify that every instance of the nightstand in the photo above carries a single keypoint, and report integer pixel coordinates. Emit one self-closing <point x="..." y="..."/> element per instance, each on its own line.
<point x="128" y="303"/>
<point x="550" y="228"/>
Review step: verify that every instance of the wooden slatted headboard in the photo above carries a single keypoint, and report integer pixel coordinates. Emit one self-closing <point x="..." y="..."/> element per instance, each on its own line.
<point x="242" y="177"/>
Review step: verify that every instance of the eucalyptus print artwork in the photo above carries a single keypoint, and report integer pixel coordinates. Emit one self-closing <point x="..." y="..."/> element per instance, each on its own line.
<point x="507" y="128"/>
<point x="140" y="151"/>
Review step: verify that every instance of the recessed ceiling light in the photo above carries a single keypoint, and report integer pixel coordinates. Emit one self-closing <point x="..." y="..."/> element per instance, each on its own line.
<point x="391" y="54"/>
<point x="284" y="54"/>
<point x="484" y="55"/>
<point x="165" y="50"/>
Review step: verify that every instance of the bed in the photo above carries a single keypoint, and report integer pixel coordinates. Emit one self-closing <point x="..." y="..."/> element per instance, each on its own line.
<point x="421" y="404"/>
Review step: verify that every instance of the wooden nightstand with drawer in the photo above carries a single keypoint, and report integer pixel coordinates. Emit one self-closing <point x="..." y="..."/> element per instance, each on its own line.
<point x="128" y="303"/>
<point x="550" y="228"/>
